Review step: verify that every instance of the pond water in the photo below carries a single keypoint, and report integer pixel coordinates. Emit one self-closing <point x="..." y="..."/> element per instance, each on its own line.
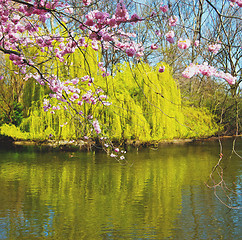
<point x="161" y="195"/>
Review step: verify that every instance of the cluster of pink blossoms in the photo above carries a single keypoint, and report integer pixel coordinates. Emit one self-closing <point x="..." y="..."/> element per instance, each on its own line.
<point x="69" y="88"/>
<point x="164" y="8"/>
<point x="207" y="70"/>
<point x="94" y="97"/>
<point x="103" y="69"/>
<point x="96" y="126"/>
<point x="214" y="48"/>
<point x="116" y="150"/>
<point x="15" y="23"/>
<point x="104" y="28"/>
<point x="182" y="44"/>
<point x="238" y="2"/>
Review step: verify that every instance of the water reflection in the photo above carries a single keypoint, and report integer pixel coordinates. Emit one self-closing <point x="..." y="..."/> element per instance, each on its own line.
<point x="89" y="196"/>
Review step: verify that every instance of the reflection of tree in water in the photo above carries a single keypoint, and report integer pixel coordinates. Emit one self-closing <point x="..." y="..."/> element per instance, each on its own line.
<point x="87" y="195"/>
<point x="227" y="195"/>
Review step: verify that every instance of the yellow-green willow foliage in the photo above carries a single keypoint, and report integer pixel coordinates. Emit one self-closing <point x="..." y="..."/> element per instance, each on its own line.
<point x="200" y="121"/>
<point x="13" y="131"/>
<point x="42" y="125"/>
<point x="146" y="104"/>
<point x="158" y="97"/>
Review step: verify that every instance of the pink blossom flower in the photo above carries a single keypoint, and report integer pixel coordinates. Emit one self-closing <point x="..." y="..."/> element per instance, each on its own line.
<point x="75" y="96"/>
<point x="196" y="43"/>
<point x="153" y="46"/>
<point x="100" y="64"/>
<point x="85" y="78"/>
<point x="89" y="22"/>
<point x="214" y="48"/>
<point x="173" y="21"/>
<point x="134" y="18"/>
<point x="239" y="2"/>
<point x="164" y="8"/>
<point x="95" y="45"/>
<point x="101" y="16"/>
<point x="161" y="69"/>
<point x="157" y="32"/>
<point x="183" y="44"/>
<point x="130" y="52"/>
<point x="121" y="13"/>
<point x="107" y="38"/>
<point x="69" y="10"/>
<point x="75" y="81"/>
<point x="116" y="149"/>
<point x="15" y="19"/>
<point x="86" y="2"/>
<point x="112" y="22"/>
<point x="190" y="71"/>
<point x="228" y="77"/>
<point x="99" y="90"/>
<point x="170" y="36"/>
<point x="206" y="69"/>
<point x="56" y="108"/>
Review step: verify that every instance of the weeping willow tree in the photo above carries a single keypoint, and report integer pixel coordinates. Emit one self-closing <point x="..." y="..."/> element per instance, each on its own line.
<point x="158" y="97"/>
<point x="146" y="104"/>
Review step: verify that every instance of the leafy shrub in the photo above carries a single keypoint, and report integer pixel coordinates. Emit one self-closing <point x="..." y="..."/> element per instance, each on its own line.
<point x="14" y="132"/>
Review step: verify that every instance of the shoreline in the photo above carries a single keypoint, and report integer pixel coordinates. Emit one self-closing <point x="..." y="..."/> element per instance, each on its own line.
<point x="89" y="145"/>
